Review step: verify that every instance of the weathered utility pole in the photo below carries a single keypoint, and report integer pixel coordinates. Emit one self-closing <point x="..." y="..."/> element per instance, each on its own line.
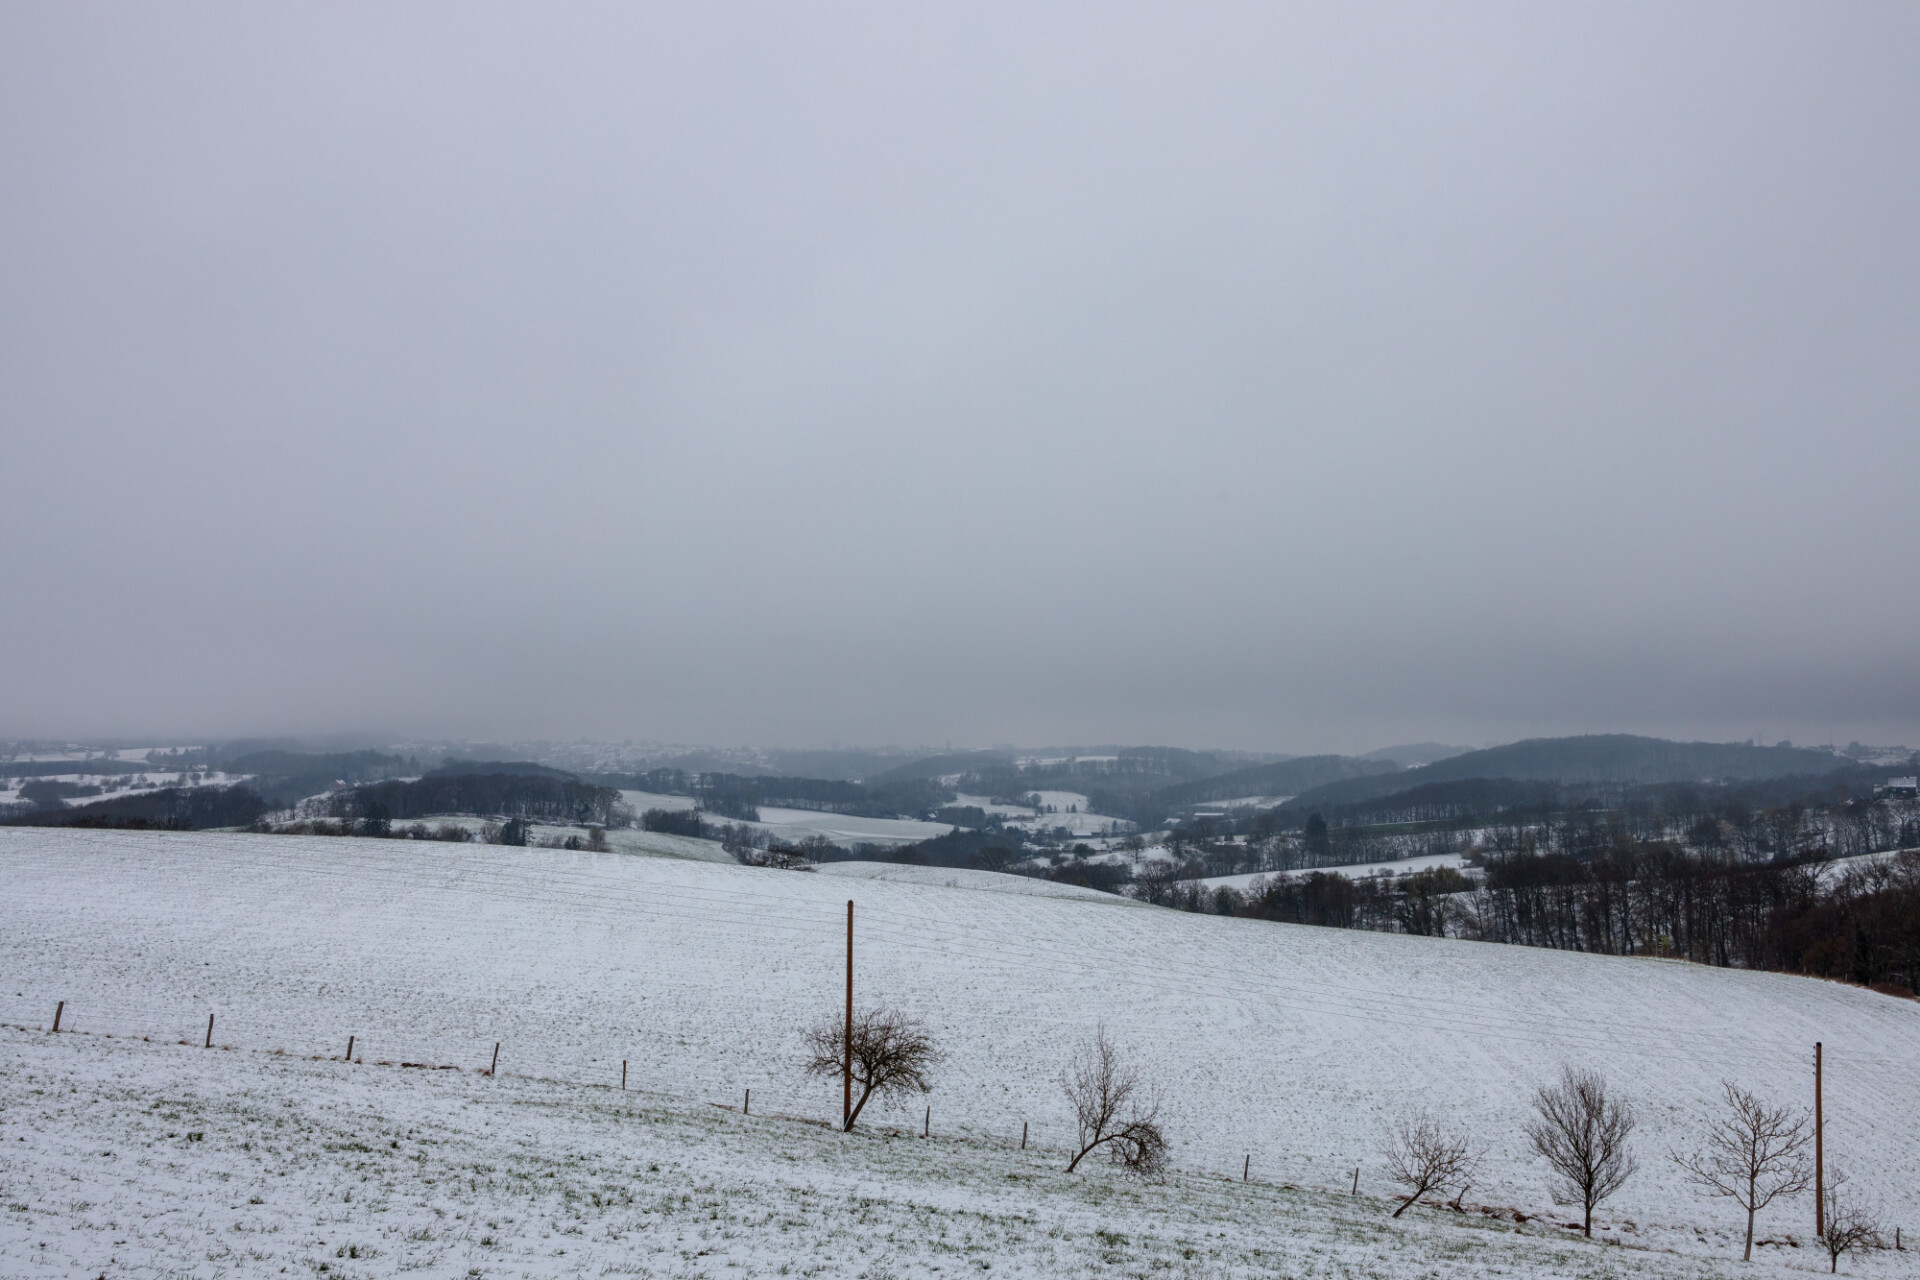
<point x="1819" y="1153"/>
<point x="846" y="1074"/>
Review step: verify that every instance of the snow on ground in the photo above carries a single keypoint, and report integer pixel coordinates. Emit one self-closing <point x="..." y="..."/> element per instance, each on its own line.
<point x="641" y="801"/>
<point x="1068" y="811"/>
<point x="630" y="840"/>
<point x="120" y="784"/>
<point x="987" y="805"/>
<point x="1352" y="871"/>
<point x="124" y="1158"/>
<point x="1246" y="802"/>
<point x="1292" y="1044"/>
<point x="795" y="825"/>
<point x="844" y="829"/>
<point x="961" y="878"/>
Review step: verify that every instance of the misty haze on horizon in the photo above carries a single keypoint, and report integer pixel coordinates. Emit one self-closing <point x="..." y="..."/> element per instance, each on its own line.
<point x="1282" y="379"/>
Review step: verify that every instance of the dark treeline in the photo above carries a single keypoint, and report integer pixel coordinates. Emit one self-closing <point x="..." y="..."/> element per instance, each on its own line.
<point x="289" y="776"/>
<point x="1856" y="921"/>
<point x="170" y="809"/>
<point x="560" y="800"/>
<point x="96" y="768"/>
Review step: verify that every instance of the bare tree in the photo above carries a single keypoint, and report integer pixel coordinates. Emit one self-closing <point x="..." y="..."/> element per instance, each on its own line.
<point x="1753" y="1154"/>
<point x="1422" y="1157"/>
<point x="1111" y="1109"/>
<point x="1581" y="1132"/>
<point x="891" y="1055"/>
<point x="1851" y="1223"/>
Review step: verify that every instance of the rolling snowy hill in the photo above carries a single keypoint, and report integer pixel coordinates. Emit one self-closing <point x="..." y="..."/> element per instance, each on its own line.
<point x="1292" y="1045"/>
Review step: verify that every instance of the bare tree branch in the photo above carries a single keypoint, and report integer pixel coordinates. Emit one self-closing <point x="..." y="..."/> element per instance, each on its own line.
<point x="1581" y="1132"/>
<point x="1851" y="1222"/>
<point x="1422" y="1157"/>
<point x="1109" y="1110"/>
<point x="891" y="1055"/>
<point x="1752" y="1154"/>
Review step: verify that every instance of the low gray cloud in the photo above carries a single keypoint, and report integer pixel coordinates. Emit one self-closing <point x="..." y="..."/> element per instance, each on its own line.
<point x="1279" y="377"/>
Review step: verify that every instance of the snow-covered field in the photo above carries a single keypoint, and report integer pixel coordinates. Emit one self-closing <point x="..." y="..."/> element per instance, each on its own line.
<point x="122" y="1158"/>
<point x="1291" y="1044"/>
<point x="962" y="878"/>
<point x="845" y="829"/>
<point x="118" y="784"/>
<point x="1353" y="871"/>
<point x="1068" y="811"/>
<point x="794" y="825"/>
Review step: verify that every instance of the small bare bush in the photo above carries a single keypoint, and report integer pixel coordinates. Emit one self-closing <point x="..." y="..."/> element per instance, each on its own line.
<point x="890" y="1052"/>
<point x="1850" y="1221"/>
<point x="1112" y="1109"/>
<point x="1751" y="1154"/>
<point x="1581" y="1131"/>
<point x="1423" y="1156"/>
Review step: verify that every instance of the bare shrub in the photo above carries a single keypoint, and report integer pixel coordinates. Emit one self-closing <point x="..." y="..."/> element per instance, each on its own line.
<point x="1851" y="1223"/>
<point x="1112" y="1109"/>
<point x="890" y="1052"/>
<point x="1422" y="1157"/>
<point x="1752" y="1154"/>
<point x="1581" y="1132"/>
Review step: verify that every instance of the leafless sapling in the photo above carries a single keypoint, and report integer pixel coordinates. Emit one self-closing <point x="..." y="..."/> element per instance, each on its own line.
<point x="1112" y="1109"/>
<point x="1422" y="1156"/>
<point x="1581" y="1131"/>
<point x="891" y="1055"/>
<point x="1851" y="1223"/>
<point x="1752" y="1154"/>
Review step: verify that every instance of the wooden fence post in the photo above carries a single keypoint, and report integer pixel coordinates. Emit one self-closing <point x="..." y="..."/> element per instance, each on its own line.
<point x="349" y="1048"/>
<point x="623" y="1075"/>
<point x="495" y="1068"/>
<point x="58" y="1010"/>
<point x="209" y="1031"/>
<point x="1023" y="1135"/>
<point x="746" y="1104"/>
<point x="1247" y="1167"/>
<point x="1356" y="1181"/>
<point x="926" y="1130"/>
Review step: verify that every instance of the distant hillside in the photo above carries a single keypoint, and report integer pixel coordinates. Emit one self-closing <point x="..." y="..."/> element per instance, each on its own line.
<point x="1595" y="758"/>
<point x="1414" y="754"/>
<point x="1287" y="778"/>
<point x="942" y="765"/>
<point x="172" y="809"/>
<point x="1620" y="757"/>
<point x="457" y="768"/>
<point x="287" y="776"/>
<point x="538" y="797"/>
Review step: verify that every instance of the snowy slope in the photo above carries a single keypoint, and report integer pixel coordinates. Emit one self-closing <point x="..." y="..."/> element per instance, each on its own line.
<point x="1352" y="871"/>
<point x="962" y="878"/>
<point x="145" y="1160"/>
<point x="1290" y="1043"/>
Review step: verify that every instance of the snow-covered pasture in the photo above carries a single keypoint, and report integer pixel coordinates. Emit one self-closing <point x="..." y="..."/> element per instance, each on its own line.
<point x="115" y="784"/>
<point x="1059" y="810"/>
<point x="843" y="829"/>
<point x="129" y="1159"/>
<point x="1296" y="1045"/>
<point x="1352" y="871"/>
<point x="794" y="825"/>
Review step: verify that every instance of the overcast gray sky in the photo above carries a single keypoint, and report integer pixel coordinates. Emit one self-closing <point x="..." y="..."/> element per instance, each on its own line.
<point x="1274" y="376"/>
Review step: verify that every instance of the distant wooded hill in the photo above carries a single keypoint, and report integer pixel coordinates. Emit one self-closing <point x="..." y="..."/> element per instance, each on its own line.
<point x="172" y="808"/>
<point x="503" y="795"/>
<point x="286" y="776"/>
<point x="1593" y="758"/>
